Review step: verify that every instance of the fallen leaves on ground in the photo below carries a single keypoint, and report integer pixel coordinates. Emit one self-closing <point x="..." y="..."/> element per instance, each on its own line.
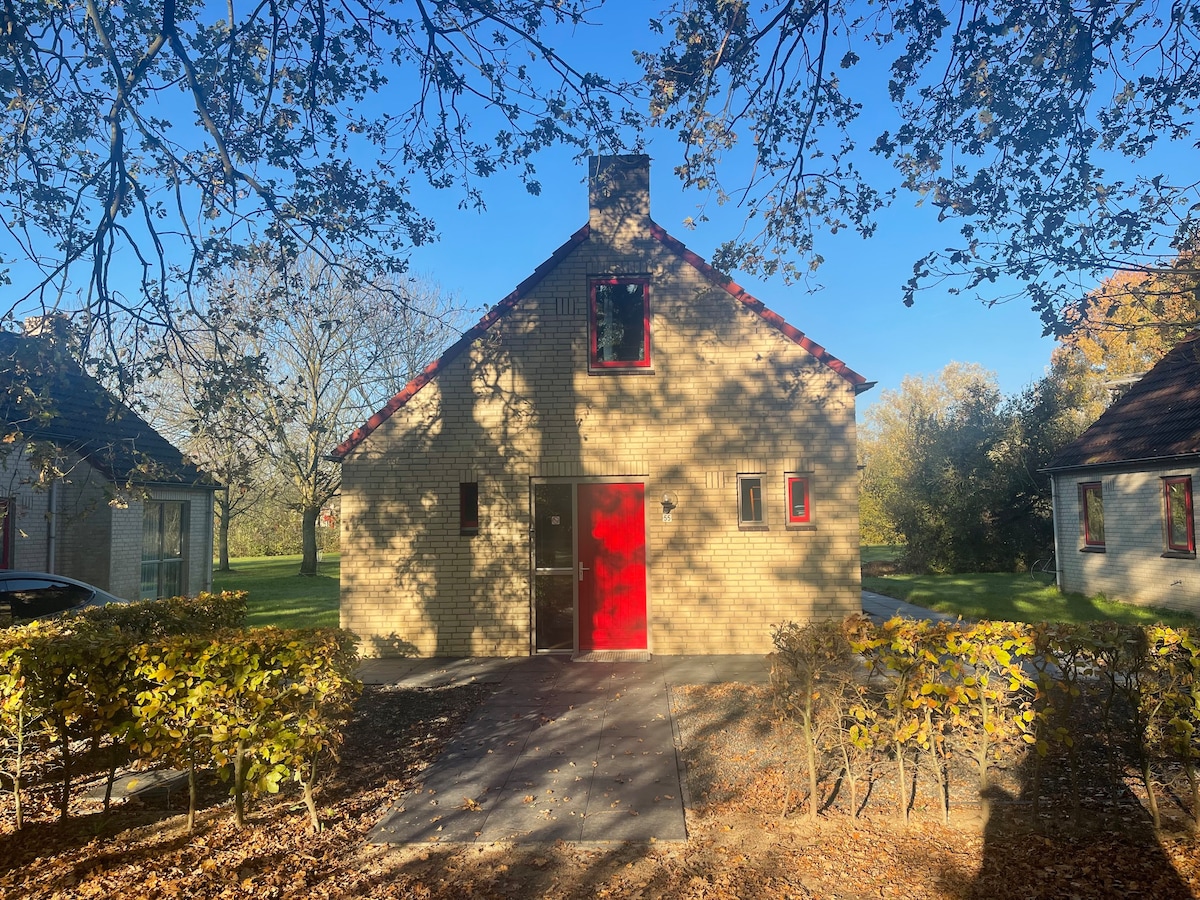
<point x="741" y="844"/>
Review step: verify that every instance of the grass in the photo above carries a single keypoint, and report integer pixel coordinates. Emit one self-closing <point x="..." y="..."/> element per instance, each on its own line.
<point x="1013" y="598"/>
<point x="279" y="596"/>
<point x="881" y="552"/>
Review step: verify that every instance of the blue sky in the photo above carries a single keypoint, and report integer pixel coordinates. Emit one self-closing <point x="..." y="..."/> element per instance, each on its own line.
<point x="857" y="315"/>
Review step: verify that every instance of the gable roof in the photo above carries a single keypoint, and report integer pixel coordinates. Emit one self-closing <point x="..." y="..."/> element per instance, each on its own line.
<point x="502" y="308"/>
<point x="1157" y="419"/>
<point x="46" y="396"/>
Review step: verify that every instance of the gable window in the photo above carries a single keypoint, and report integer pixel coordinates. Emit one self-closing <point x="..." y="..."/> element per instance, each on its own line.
<point x="619" y="323"/>
<point x="750" y="501"/>
<point x="163" y="542"/>
<point x="468" y="507"/>
<point x="1179" y="523"/>
<point x="1091" y="504"/>
<point x="799" y="506"/>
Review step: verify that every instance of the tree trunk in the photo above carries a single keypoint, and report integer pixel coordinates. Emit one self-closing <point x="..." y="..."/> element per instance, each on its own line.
<point x="308" y="522"/>
<point x="223" y="504"/>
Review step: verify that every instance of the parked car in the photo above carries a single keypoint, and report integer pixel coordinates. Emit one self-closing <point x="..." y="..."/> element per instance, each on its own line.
<point x="39" y="595"/>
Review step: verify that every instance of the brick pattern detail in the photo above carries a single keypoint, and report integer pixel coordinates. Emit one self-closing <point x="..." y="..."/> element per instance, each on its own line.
<point x="1132" y="567"/>
<point x="727" y="393"/>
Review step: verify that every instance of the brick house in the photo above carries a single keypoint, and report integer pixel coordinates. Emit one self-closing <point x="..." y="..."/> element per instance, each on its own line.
<point x="88" y="489"/>
<point x="628" y="453"/>
<point x="1124" y="524"/>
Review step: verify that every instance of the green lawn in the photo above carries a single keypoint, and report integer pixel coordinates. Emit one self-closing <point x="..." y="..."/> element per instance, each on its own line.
<point x="278" y="596"/>
<point x="1012" y="598"/>
<point x="880" y="552"/>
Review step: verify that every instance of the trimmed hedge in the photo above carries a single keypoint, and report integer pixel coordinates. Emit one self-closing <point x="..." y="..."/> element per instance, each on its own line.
<point x="260" y="707"/>
<point x="909" y="693"/>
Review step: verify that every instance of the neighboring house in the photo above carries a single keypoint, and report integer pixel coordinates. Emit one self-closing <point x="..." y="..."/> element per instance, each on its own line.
<point x="88" y="489"/>
<point x="1124" y="523"/>
<point x="627" y="453"/>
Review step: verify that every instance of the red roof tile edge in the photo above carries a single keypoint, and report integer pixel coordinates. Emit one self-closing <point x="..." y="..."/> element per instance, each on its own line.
<point x="496" y="312"/>
<point x="769" y="316"/>
<point x="468" y="337"/>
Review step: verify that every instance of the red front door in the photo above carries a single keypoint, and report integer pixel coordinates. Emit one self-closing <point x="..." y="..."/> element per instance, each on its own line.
<point x="612" y="567"/>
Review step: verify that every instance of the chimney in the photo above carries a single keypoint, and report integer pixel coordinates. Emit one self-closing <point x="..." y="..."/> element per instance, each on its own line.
<point x="619" y="196"/>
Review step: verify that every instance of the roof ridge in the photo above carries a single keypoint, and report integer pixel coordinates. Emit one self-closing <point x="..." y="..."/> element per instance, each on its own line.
<point x="711" y="274"/>
<point x="743" y="296"/>
<point x="450" y="353"/>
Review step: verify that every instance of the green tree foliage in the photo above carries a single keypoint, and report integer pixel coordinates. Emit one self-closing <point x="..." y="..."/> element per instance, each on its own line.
<point x="952" y="468"/>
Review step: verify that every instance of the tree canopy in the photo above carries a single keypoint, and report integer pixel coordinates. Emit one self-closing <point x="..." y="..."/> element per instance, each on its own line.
<point x="952" y="469"/>
<point x="147" y="146"/>
<point x="1006" y="117"/>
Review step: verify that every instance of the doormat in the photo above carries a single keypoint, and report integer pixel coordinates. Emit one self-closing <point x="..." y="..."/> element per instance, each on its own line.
<point x="610" y="656"/>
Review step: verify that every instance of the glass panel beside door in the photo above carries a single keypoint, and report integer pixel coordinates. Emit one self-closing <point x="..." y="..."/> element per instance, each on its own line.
<point x="554" y="567"/>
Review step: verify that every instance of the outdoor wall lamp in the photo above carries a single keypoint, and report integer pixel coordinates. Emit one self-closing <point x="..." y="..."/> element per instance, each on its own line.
<point x="670" y="500"/>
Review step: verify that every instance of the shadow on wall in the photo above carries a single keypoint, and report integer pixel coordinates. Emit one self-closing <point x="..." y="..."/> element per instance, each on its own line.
<point x="391" y="645"/>
<point x="515" y="405"/>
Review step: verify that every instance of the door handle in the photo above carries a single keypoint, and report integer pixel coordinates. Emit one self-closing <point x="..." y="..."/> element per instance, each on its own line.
<point x="582" y="569"/>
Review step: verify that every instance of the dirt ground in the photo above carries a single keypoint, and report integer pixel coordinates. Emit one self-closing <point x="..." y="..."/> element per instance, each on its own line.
<point x="749" y="834"/>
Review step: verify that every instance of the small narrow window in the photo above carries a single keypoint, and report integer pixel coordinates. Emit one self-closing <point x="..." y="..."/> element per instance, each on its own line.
<point x="798" y="504"/>
<point x="1180" y="524"/>
<point x="619" y="324"/>
<point x="7" y="511"/>
<point x="1091" y="499"/>
<point x="750" y="500"/>
<point x="468" y="507"/>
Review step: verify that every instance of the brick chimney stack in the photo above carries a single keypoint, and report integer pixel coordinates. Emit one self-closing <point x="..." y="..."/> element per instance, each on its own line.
<point x="619" y="196"/>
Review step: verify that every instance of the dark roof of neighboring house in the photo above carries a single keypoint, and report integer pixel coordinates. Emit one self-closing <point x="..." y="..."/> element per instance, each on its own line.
<point x="502" y="308"/>
<point x="1157" y="419"/>
<point x="46" y="396"/>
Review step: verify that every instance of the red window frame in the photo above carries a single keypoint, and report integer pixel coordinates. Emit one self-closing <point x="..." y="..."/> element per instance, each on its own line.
<point x="804" y="517"/>
<point x="1091" y="492"/>
<point x="594" y="360"/>
<point x="1188" y="545"/>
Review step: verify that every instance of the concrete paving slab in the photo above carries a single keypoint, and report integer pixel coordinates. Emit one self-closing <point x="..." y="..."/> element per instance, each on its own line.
<point x="429" y="821"/>
<point x="666" y="824"/>
<point x="562" y="750"/>
<point x="881" y="608"/>
<point x="534" y="826"/>
<point x="150" y="786"/>
<point x="524" y="765"/>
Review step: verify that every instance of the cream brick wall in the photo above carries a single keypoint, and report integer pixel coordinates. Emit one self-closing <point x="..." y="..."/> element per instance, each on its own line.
<point x="1132" y="567"/>
<point x="728" y="393"/>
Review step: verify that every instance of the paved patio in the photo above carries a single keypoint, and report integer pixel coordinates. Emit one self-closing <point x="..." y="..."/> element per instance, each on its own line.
<point x="562" y="750"/>
<point x="574" y="751"/>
